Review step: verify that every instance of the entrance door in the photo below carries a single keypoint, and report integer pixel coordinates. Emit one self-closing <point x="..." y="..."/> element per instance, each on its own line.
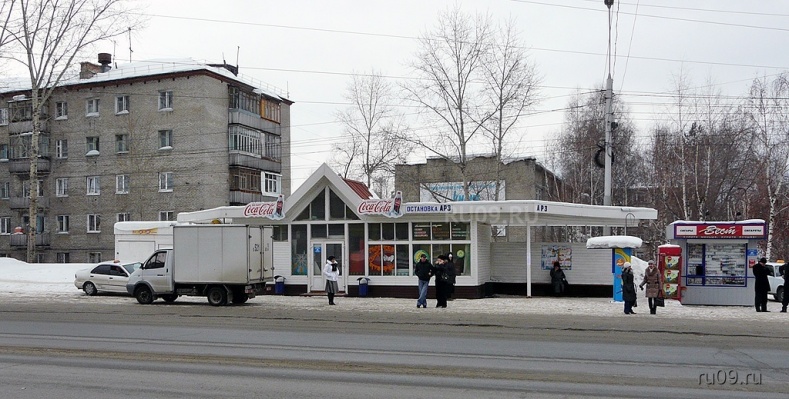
<point x="321" y="251"/>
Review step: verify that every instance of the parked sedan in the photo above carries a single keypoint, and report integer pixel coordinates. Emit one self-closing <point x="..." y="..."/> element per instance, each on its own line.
<point x="105" y="277"/>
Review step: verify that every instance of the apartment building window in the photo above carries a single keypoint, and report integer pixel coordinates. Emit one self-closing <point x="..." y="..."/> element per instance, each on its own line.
<point x="5" y="225"/>
<point x="271" y="110"/>
<point x="165" y="139"/>
<point x="4" y="152"/>
<point x="20" y="111"/>
<point x="3" y="116"/>
<point x="245" y="180"/>
<point x="61" y="149"/>
<point x="94" y="257"/>
<point x="166" y="100"/>
<point x="121" y="184"/>
<point x="123" y="217"/>
<point x="121" y="143"/>
<point x="94" y="185"/>
<point x="94" y="223"/>
<point x="61" y="187"/>
<point x="63" y="257"/>
<point x="243" y="139"/>
<point x="165" y="216"/>
<point x="165" y="182"/>
<point x="246" y="101"/>
<point x="272" y="183"/>
<point x="26" y="189"/>
<point x="41" y="221"/>
<point x="92" y="107"/>
<point x="273" y="147"/>
<point x="5" y="190"/>
<point x="63" y="223"/>
<point x="92" y="144"/>
<point x="61" y="110"/>
<point x="121" y="105"/>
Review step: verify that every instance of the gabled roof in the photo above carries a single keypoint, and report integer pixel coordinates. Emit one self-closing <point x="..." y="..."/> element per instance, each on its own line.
<point x="360" y="188"/>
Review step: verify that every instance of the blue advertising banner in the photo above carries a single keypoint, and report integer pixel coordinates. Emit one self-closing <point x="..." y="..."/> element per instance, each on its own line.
<point x="618" y="258"/>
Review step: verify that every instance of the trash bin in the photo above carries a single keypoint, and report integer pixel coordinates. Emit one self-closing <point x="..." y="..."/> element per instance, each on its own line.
<point x="279" y="285"/>
<point x="363" y="285"/>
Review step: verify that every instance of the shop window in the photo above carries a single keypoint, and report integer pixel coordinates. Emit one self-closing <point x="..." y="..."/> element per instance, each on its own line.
<point x="401" y="231"/>
<point x="356" y="254"/>
<point x="421" y="231"/>
<point x="374" y="231"/>
<point x="336" y="231"/>
<point x="336" y="206"/>
<point x="298" y="250"/>
<point x="387" y="231"/>
<point x="318" y="231"/>
<point x="280" y="233"/>
<point x="460" y="257"/>
<point x="716" y="264"/>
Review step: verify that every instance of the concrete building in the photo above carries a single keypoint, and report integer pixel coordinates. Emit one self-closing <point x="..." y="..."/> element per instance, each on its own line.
<point x="143" y="141"/>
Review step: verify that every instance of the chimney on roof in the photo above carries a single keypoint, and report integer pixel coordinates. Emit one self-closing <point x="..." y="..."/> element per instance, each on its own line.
<point x="105" y="59"/>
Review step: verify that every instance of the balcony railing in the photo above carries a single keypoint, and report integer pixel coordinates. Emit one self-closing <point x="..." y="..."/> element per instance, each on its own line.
<point x="20" y="240"/>
<point x="24" y="203"/>
<point x="23" y="165"/>
<point x="27" y="126"/>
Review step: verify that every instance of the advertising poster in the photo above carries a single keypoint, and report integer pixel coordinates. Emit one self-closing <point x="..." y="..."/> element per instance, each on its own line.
<point x="554" y="252"/>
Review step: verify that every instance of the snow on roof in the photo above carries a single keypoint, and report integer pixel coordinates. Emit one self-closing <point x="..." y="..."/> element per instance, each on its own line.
<point x="148" y="68"/>
<point x="128" y="227"/>
<point x="606" y="242"/>
<point x="748" y="221"/>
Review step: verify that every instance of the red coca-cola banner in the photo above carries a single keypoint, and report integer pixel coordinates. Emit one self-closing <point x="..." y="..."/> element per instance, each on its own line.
<point x="387" y="207"/>
<point x="271" y="210"/>
<point x="719" y="230"/>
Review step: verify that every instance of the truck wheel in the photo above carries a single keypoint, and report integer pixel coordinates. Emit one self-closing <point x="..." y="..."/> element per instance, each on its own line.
<point x="144" y="295"/>
<point x="170" y="298"/>
<point x="217" y="296"/>
<point x="89" y="289"/>
<point x="779" y="294"/>
<point x="240" y="297"/>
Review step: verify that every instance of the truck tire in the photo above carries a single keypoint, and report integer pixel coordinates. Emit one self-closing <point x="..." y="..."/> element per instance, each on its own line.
<point x="217" y="296"/>
<point x="170" y="298"/>
<point x="144" y="295"/>
<point x="240" y="297"/>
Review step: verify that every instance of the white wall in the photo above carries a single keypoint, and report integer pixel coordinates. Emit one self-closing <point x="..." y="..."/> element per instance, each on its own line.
<point x="482" y="248"/>
<point x="590" y="266"/>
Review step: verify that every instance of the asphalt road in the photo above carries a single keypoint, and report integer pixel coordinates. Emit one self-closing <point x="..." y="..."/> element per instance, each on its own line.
<point x="79" y="349"/>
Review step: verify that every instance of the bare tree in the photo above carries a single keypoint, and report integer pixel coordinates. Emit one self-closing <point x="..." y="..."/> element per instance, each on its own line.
<point x="446" y="85"/>
<point x="372" y="127"/>
<point x="52" y="34"/>
<point x="768" y="110"/>
<point x="511" y="86"/>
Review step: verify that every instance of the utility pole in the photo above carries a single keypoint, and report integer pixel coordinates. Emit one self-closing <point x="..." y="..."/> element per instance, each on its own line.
<point x="609" y="146"/>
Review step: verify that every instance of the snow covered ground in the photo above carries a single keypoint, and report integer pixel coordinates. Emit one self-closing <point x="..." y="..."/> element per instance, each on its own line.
<point x="22" y="282"/>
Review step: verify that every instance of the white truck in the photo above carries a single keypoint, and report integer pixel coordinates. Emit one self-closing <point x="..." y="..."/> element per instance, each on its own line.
<point x="225" y="263"/>
<point x="136" y="241"/>
<point x="776" y="280"/>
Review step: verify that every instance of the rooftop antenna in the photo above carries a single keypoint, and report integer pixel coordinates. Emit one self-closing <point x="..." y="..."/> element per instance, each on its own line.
<point x="238" y="49"/>
<point x="130" y="47"/>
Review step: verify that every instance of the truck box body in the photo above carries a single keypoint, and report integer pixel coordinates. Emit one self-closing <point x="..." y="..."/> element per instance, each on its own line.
<point x="218" y="253"/>
<point x="136" y="241"/>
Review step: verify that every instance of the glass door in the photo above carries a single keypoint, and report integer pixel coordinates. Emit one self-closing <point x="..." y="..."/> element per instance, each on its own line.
<point x="320" y="252"/>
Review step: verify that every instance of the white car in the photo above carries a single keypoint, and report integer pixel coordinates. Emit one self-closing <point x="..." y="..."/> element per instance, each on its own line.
<point x="776" y="280"/>
<point x="105" y="277"/>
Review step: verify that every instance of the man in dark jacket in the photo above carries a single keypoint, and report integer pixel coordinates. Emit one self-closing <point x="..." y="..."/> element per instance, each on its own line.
<point x="423" y="270"/>
<point x="761" y="286"/>
<point x="783" y="270"/>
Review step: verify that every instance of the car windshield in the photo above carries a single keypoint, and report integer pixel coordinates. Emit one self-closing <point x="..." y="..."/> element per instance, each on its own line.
<point x="131" y="267"/>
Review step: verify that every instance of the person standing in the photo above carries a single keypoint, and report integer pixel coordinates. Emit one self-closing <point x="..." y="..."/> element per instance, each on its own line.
<point x="442" y="281"/>
<point x="628" y="288"/>
<point x="452" y="274"/>
<point x="783" y="270"/>
<point x="654" y="282"/>
<point x="761" y="285"/>
<point x="330" y="270"/>
<point x="557" y="278"/>
<point x="423" y="271"/>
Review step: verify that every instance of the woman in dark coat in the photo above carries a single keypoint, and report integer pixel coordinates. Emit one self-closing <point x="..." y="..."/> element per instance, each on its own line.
<point x="628" y="288"/>
<point x="557" y="278"/>
<point x="441" y="281"/>
<point x="451" y="275"/>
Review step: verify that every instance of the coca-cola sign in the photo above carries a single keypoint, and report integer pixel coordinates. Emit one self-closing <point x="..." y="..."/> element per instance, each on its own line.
<point x="387" y="207"/>
<point x="271" y="210"/>
<point x="719" y="230"/>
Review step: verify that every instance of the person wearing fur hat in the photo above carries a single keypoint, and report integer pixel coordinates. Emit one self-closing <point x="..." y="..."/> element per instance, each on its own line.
<point x="628" y="288"/>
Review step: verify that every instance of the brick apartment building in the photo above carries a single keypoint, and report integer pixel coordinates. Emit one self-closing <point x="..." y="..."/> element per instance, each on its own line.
<point x="143" y="141"/>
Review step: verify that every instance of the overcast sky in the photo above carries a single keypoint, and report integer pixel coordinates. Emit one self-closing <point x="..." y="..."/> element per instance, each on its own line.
<point x="309" y="49"/>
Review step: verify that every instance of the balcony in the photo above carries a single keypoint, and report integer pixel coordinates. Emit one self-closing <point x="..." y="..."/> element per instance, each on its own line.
<point x="254" y="121"/>
<point x="20" y="240"/>
<point x="27" y="126"/>
<point x="22" y="166"/>
<point x="24" y="203"/>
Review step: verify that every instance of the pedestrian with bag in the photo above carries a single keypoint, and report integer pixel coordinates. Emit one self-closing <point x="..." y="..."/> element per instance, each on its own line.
<point x="423" y="270"/>
<point x="654" y="282"/>
<point x="628" y="288"/>
<point x="332" y="273"/>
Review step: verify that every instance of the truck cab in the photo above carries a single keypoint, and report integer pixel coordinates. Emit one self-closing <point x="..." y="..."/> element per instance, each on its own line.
<point x="776" y="279"/>
<point x="155" y="275"/>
